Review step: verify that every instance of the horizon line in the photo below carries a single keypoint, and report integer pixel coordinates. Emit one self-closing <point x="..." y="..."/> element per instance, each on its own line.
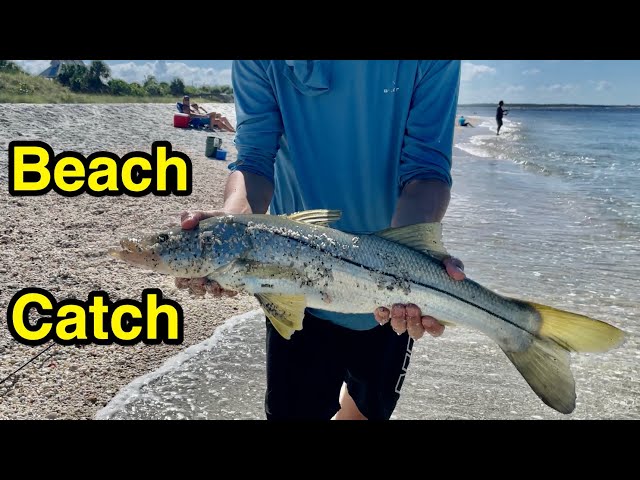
<point x="484" y="104"/>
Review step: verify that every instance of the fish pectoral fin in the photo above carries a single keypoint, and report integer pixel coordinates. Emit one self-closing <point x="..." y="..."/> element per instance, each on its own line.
<point x="424" y="237"/>
<point x="545" y="367"/>
<point x="284" y="311"/>
<point x="320" y="217"/>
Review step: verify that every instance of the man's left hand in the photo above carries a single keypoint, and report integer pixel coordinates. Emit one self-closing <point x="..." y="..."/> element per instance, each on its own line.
<point x="409" y="318"/>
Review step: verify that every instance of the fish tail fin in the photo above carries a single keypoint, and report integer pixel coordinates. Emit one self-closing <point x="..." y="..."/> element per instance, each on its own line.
<point x="577" y="333"/>
<point x="545" y="365"/>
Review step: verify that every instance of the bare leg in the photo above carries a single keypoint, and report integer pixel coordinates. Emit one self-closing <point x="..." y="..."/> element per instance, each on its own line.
<point x="348" y="408"/>
<point x="227" y="124"/>
<point x="221" y="122"/>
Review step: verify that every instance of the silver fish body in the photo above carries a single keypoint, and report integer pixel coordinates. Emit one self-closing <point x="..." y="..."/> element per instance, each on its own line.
<point x="340" y="272"/>
<point x="293" y="262"/>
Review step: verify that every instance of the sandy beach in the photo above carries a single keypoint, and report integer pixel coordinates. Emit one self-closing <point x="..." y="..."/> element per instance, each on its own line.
<point x="60" y="244"/>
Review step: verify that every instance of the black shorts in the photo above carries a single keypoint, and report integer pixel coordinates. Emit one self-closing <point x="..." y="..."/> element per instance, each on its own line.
<point x="499" y="121"/>
<point x="305" y="374"/>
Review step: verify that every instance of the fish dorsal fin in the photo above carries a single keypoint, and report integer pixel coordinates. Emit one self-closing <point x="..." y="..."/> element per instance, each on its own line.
<point x="424" y="237"/>
<point x="316" y="217"/>
<point x="284" y="311"/>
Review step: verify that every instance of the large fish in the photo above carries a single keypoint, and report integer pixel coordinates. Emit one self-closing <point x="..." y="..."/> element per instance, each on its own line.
<point x="290" y="262"/>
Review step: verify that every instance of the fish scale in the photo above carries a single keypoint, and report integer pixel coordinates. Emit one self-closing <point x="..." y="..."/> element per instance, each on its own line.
<point x="377" y="269"/>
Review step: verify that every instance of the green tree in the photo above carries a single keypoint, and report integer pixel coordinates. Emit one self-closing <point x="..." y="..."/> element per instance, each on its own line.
<point x="79" y="83"/>
<point x="119" y="87"/>
<point x="10" y="67"/>
<point x="137" y="90"/>
<point x="151" y="86"/>
<point x="99" y="72"/>
<point x="165" y="89"/>
<point x="150" y="80"/>
<point x="176" y="87"/>
<point x="74" y="76"/>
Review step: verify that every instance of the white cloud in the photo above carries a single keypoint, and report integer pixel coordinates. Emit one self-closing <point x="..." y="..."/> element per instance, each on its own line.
<point x="166" y="71"/>
<point x="34" y="67"/>
<point x="471" y="70"/>
<point x="559" y="88"/>
<point x="132" y="72"/>
<point x="531" y="71"/>
<point x="511" y="89"/>
<point x="603" y="85"/>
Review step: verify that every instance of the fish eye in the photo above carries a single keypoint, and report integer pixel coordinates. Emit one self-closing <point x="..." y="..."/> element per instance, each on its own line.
<point x="163" y="237"/>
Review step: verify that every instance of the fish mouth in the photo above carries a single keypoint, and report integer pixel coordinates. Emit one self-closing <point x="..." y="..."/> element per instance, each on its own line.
<point x="131" y="251"/>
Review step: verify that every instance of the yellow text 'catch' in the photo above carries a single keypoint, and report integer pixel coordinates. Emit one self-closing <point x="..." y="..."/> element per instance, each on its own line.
<point x="96" y="320"/>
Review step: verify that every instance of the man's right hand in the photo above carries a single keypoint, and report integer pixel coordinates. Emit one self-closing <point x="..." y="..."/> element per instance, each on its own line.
<point x="200" y="286"/>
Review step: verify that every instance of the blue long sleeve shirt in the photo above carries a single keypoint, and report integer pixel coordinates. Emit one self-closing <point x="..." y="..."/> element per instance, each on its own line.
<point x="345" y="135"/>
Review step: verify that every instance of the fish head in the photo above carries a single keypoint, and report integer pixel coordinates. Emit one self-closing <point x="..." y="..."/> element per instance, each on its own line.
<point x="182" y="253"/>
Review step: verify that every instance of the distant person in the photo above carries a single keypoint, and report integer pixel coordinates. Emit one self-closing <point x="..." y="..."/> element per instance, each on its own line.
<point x="463" y="122"/>
<point x="500" y="112"/>
<point x="203" y="117"/>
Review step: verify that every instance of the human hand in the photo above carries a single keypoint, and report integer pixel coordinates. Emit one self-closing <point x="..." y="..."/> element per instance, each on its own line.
<point x="408" y="317"/>
<point x="200" y="286"/>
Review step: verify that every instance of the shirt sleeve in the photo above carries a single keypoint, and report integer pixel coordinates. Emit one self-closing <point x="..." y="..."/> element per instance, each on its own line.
<point x="258" y="119"/>
<point x="428" y="138"/>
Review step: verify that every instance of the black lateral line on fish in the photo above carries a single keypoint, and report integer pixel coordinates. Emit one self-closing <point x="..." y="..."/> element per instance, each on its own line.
<point x="430" y="287"/>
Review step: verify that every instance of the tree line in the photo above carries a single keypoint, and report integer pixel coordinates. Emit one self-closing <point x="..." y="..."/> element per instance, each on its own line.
<point x="96" y="78"/>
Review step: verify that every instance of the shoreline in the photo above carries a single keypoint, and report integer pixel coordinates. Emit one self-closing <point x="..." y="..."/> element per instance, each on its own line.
<point x="59" y="244"/>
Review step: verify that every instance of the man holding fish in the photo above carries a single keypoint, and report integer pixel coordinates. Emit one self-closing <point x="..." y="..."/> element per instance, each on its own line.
<point x="313" y="151"/>
<point x="374" y="140"/>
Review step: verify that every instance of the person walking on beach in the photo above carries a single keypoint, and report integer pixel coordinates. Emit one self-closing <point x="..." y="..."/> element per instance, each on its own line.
<point x="500" y="112"/>
<point x="308" y="137"/>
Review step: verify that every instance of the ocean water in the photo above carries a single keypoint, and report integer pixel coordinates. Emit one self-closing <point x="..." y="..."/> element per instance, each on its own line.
<point x="549" y="211"/>
<point x="594" y="152"/>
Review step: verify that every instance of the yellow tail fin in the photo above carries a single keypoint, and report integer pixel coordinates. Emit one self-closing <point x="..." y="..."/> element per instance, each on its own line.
<point x="577" y="333"/>
<point x="545" y="364"/>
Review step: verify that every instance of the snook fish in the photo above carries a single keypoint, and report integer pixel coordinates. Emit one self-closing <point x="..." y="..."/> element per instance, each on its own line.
<point x="290" y="262"/>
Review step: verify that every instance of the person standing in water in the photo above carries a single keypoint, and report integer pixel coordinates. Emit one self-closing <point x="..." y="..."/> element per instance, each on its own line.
<point x="500" y="112"/>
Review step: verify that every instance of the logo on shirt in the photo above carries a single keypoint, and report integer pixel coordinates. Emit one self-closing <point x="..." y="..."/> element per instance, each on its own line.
<point x="393" y="89"/>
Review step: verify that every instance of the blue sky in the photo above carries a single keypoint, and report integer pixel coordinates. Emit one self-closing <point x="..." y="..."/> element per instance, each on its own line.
<point x="609" y="82"/>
